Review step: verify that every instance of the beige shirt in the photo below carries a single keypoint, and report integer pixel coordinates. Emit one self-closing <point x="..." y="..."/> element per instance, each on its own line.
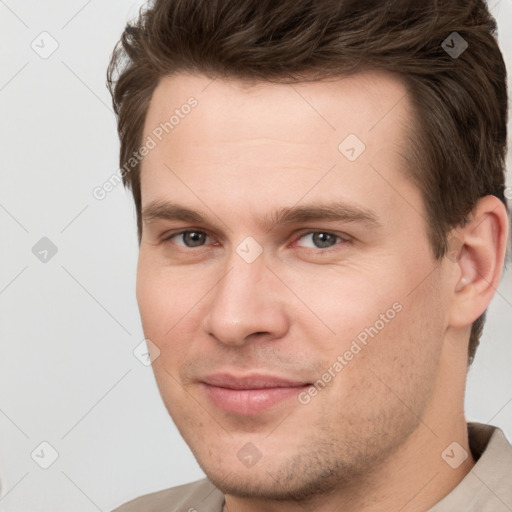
<point x="486" y="488"/>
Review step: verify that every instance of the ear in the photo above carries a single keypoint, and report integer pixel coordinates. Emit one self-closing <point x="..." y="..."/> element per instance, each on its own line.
<point x="477" y="252"/>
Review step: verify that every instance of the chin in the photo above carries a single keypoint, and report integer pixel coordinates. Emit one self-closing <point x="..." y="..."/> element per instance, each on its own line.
<point x="263" y="486"/>
<point x="297" y="477"/>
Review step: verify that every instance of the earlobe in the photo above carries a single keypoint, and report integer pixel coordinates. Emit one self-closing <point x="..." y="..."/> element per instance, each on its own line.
<point x="479" y="260"/>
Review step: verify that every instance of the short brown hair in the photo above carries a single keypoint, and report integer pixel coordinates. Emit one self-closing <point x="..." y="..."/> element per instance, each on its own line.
<point x="457" y="151"/>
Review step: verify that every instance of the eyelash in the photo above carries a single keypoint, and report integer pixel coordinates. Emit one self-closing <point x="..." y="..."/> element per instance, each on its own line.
<point x="342" y="239"/>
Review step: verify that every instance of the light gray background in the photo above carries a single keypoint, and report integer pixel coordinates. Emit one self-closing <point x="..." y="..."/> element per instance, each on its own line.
<point x="68" y="375"/>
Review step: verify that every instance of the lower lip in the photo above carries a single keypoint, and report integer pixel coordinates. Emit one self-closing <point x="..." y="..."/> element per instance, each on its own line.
<point x="250" y="401"/>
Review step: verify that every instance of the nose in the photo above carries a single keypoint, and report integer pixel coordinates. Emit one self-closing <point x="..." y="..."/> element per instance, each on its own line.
<point x="246" y="304"/>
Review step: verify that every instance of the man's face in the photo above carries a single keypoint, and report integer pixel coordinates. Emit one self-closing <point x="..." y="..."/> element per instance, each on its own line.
<point x="307" y="261"/>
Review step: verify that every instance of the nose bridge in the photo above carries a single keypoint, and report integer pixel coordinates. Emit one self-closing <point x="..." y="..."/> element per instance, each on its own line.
<point x="241" y="304"/>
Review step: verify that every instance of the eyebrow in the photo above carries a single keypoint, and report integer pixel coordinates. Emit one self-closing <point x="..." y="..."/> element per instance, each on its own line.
<point x="336" y="211"/>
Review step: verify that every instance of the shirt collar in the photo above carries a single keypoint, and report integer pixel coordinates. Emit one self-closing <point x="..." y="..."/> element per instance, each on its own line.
<point x="488" y="486"/>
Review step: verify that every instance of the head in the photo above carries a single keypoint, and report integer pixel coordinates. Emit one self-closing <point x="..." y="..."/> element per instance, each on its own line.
<point x="338" y="173"/>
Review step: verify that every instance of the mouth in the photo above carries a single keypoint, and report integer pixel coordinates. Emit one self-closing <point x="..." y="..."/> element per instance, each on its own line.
<point x="249" y="394"/>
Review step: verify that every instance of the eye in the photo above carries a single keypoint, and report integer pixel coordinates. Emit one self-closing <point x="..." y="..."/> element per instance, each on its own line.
<point x="312" y="240"/>
<point x="320" y="240"/>
<point x="189" y="238"/>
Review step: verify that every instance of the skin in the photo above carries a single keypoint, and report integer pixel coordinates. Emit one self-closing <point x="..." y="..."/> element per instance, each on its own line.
<point x="372" y="438"/>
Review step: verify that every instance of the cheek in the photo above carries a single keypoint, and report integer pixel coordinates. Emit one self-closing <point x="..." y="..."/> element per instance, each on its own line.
<point x="161" y="308"/>
<point x="153" y="299"/>
<point x="165" y="295"/>
<point x="171" y="301"/>
<point x="378" y="311"/>
<point x="344" y="303"/>
<point x="376" y="384"/>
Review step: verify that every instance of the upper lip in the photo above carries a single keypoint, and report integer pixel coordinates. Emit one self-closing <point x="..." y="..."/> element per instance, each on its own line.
<point x="251" y="381"/>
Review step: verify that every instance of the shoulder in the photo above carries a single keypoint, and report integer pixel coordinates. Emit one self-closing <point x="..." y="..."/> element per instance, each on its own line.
<point x="199" y="496"/>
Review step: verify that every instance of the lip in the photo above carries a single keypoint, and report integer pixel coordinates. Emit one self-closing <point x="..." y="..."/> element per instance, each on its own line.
<point x="249" y="394"/>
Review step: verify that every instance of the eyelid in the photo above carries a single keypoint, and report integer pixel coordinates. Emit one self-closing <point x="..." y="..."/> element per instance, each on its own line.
<point x="168" y="235"/>
<point x="344" y="238"/>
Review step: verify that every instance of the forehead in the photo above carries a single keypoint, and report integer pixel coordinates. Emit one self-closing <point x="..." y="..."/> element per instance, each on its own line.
<point x="256" y="138"/>
<point x="356" y="104"/>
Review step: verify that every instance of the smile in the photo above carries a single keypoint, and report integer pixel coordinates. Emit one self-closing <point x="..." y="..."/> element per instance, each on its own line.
<point x="249" y="395"/>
